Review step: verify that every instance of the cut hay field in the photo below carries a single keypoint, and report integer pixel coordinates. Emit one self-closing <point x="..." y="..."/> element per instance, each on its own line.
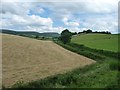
<point x="26" y="59"/>
<point x="107" y="42"/>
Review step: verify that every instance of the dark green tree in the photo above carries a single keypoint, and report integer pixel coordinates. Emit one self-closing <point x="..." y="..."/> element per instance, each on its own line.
<point x="89" y="31"/>
<point x="43" y="37"/>
<point x="74" y="33"/>
<point x="36" y="36"/>
<point x="66" y="36"/>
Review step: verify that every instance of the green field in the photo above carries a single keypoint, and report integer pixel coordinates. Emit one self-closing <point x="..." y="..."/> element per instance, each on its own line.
<point x="107" y="42"/>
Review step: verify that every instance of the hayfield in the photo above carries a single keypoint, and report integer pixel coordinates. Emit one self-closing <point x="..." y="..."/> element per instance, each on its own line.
<point x="107" y="42"/>
<point x="92" y="76"/>
<point x="25" y="59"/>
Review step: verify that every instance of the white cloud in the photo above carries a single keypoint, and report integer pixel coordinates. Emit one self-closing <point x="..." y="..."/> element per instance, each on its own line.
<point x="19" y="0"/>
<point x="83" y="6"/>
<point x="104" y="8"/>
<point x="106" y="23"/>
<point x="15" y="15"/>
<point x="16" y="8"/>
<point x="57" y="29"/>
<point x="70" y="23"/>
<point x="41" y="21"/>
<point x="27" y="22"/>
<point x="38" y="10"/>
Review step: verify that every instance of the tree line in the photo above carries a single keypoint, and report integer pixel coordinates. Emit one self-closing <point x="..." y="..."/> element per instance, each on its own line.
<point x="90" y="31"/>
<point x="66" y="34"/>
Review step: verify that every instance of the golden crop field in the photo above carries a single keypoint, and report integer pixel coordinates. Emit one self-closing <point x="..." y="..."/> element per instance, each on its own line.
<point x="26" y="59"/>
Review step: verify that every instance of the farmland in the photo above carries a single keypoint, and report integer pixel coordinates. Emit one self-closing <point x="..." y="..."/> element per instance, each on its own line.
<point x="32" y="63"/>
<point x="92" y="76"/>
<point x="60" y="44"/>
<point x="25" y="59"/>
<point x="107" y="42"/>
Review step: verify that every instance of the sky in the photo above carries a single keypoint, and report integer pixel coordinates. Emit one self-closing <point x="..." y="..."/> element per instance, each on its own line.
<point x="57" y="15"/>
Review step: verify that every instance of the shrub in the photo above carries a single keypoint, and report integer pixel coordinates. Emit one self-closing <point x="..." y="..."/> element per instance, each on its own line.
<point x="115" y="65"/>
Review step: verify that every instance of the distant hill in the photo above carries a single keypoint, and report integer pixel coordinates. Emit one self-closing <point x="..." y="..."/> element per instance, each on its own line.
<point x="29" y="33"/>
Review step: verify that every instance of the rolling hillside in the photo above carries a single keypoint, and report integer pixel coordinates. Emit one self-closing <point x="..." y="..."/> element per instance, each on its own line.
<point x="26" y="59"/>
<point x="98" y="41"/>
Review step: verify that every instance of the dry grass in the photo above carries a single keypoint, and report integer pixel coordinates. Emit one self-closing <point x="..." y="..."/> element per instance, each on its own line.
<point x="29" y="59"/>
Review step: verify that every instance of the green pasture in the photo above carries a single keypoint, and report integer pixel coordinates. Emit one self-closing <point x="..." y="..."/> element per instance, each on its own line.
<point x="107" y="42"/>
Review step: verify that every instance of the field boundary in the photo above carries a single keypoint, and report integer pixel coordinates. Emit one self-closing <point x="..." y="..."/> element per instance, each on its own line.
<point x="82" y="48"/>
